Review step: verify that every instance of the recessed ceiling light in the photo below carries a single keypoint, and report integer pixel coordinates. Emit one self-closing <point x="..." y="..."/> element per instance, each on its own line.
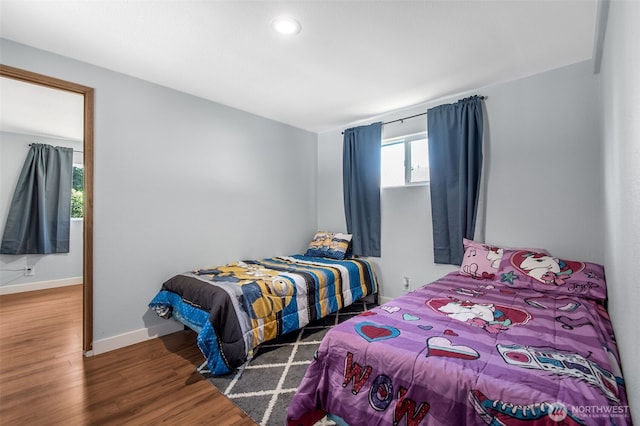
<point x="286" y="26"/>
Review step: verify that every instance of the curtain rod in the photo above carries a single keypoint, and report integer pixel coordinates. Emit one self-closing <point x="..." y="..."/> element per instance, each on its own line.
<point x="414" y="116"/>
<point x="75" y="150"/>
<point x="404" y="118"/>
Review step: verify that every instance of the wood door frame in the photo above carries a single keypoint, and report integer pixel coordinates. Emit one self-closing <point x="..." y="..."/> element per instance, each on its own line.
<point x="87" y="255"/>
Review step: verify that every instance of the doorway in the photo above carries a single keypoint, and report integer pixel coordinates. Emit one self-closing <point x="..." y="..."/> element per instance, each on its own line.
<point x="87" y="250"/>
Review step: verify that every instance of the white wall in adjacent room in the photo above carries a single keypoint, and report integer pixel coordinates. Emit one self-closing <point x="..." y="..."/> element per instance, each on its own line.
<point x="50" y="269"/>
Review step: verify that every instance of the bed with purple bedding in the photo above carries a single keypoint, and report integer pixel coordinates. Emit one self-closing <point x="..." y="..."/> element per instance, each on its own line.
<point x="514" y="346"/>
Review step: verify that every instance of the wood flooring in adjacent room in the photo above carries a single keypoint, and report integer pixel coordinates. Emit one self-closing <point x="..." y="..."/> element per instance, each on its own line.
<point x="44" y="379"/>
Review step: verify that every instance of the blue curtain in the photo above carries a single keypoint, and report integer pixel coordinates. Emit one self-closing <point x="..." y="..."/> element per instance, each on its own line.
<point x="455" y="162"/>
<point x="40" y="212"/>
<point x="361" y="187"/>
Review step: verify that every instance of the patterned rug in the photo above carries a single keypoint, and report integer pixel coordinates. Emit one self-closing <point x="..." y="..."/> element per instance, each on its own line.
<point x="265" y="387"/>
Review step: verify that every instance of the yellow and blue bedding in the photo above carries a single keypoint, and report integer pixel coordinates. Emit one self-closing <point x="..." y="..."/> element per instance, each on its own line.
<point x="236" y="307"/>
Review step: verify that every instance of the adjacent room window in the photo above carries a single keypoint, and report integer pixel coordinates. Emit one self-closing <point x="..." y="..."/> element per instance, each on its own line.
<point x="77" y="192"/>
<point x="405" y="160"/>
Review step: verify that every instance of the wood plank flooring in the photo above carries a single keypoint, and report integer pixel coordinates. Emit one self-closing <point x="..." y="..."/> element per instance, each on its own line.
<point x="44" y="379"/>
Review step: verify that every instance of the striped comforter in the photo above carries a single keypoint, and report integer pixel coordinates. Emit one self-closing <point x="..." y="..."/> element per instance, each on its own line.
<point x="236" y="307"/>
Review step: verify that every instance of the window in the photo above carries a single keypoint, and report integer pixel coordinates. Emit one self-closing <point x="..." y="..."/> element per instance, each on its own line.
<point x="77" y="192"/>
<point x="405" y="160"/>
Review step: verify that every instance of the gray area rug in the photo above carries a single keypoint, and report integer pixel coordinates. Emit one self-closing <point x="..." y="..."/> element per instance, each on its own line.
<point x="266" y="386"/>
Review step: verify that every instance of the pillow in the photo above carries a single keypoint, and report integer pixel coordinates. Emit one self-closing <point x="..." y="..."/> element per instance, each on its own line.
<point x="549" y="274"/>
<point x="333" y="245"/>
<point x="482" y="261"/>
<point x="320" y="244"/>
<point x="339" y="246"/>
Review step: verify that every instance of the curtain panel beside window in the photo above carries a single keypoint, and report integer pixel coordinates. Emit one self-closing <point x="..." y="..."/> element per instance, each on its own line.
<point x="40" y="213"/>
<point x="455" y="161"/>
<point x="361" y="187"/>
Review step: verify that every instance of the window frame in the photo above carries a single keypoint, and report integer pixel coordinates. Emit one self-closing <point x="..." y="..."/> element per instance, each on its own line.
<point x="406" y="140"/>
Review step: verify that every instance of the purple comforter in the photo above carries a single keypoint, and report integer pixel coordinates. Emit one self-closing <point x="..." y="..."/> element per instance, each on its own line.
<point x="466" y="352"/>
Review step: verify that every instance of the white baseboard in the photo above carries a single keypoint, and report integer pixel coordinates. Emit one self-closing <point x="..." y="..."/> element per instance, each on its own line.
<point x="41" y="285"/>
<point x="383" y="299"/>
<point x="133" y="337"/>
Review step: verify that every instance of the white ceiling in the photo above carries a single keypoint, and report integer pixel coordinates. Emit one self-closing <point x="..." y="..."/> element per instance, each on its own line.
<point x="42" y="111"/>
<point x="352" y="60"/>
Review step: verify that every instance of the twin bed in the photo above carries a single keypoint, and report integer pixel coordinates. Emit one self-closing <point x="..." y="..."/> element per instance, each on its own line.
<point x="515" y="337"/>
<point x="236" y="307"/>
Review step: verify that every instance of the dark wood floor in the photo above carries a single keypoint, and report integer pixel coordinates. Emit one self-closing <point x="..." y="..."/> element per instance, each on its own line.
<point x="44" y="379"/>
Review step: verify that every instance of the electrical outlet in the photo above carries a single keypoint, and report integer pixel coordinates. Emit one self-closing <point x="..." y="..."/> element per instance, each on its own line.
<point x="29" y="271"/>
<point x="406" y="283"/>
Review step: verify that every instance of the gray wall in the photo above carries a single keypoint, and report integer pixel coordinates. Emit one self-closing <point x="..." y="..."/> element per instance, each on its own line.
<point x="180" y="183"/>
<point x="621" y="138"/>
<point x="53" y="267"/>
<point x="544" y="163"/>
<point x="543" y="177"/>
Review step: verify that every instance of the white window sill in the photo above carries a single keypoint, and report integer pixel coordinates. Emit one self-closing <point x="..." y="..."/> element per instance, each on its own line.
<point x="411" y="185"/>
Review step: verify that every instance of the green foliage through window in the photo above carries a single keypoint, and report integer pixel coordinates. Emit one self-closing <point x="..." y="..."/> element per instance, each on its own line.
<point x="77" y="193"/>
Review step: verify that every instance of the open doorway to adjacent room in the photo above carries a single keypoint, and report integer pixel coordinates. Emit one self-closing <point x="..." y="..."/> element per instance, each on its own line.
<point x="40" y="109"/>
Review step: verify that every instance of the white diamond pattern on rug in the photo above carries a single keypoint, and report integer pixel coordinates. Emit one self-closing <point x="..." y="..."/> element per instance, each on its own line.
<point x="266" y="385"/>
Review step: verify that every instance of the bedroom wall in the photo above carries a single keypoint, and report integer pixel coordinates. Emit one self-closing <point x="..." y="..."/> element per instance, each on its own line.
<point x="180" y="183"/>
<point x="621" y="135"/>
<point x="543" y="170"/>
<point x="50" y="270"/>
